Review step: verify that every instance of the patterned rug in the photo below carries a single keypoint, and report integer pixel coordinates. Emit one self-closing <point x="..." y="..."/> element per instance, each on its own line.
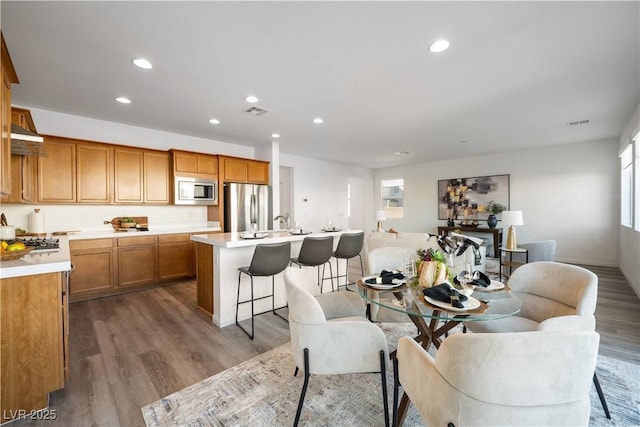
<point x="263" y="392"/>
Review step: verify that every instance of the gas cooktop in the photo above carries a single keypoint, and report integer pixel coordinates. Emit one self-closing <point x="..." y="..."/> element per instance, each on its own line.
<point x="41" y="244"/>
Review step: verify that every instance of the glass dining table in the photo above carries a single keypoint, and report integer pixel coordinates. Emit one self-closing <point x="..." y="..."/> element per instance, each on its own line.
<point x="434" y="319"/>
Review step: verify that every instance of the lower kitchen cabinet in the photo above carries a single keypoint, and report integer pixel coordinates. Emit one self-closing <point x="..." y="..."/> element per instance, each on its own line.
<point x="174" y="257"/>
<point x="34" y="341"/>
<point x="137" y="261"/>
<point x="94" y="266"/>
<point x="103" y="267"/>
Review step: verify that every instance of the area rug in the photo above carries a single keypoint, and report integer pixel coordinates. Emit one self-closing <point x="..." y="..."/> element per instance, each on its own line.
<point x="263" y="392"/>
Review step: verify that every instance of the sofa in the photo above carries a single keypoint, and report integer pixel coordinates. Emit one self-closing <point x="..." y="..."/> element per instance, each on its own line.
<point x="414" y="241"/>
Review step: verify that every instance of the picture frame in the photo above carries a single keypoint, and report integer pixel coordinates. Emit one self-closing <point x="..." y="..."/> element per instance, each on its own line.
<point x="467" y="198"/>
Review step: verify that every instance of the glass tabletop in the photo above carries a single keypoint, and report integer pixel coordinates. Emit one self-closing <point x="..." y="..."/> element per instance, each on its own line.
<point x="480" y="306"/>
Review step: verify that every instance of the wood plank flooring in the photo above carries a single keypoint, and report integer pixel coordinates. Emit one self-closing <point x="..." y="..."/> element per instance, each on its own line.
<point x="132" y="349"/>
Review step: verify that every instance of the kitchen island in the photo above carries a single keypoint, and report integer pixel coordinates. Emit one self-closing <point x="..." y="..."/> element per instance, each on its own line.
<point x="34" y="330"/>
<point x="220" y="255"/>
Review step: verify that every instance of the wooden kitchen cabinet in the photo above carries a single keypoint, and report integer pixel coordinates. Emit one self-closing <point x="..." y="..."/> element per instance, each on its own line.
<point x="128" y="175"/>
<point x="245" y="170"/>
<point x="23" y="177"/>
<point x="34" y="341"/>
<point x="137" y="261"/>
<point x="57" y="172"/>
<point x="156" y="177"/>
<point x="194" y="165"/>
<point x="257" y="172"/>
<point x="94" y="173"/>
<point x="9" y="77"/>
<point x="175" y="260"/>
<point x="141" y="176"/>
<point x="95" y="266"/>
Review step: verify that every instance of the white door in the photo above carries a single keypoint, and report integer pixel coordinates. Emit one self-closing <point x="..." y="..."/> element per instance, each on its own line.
<point x="360" y="203"/>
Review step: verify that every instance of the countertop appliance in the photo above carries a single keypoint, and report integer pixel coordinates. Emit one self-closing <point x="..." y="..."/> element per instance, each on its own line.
<point x="195" y="191"/>
<point x="247" y="207"/>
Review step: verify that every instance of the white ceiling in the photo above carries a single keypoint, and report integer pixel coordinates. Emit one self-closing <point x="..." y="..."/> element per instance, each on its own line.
<point x="516" y="72"/>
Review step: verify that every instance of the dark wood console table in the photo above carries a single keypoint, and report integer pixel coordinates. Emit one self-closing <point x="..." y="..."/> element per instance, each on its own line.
<point x="496" y="232"/>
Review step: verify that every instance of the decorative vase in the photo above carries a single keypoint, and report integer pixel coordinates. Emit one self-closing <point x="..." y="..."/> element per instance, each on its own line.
<point x="492" y="221"/>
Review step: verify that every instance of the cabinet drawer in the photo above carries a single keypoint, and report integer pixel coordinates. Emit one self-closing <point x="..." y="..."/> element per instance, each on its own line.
<point x="136" y="241"/>
<point x="171" y="238"/>
<point x="79" y="245"/>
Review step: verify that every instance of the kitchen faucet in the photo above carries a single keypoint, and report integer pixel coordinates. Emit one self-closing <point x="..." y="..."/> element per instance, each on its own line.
<point x="285" y="218"/>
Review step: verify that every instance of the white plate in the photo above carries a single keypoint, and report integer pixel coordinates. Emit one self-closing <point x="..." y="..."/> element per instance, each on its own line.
<point x="329" y="230"/>
<point x="383" y="286"/>
<point x="494" y="286"/>
<point x="250" y="235"/>
<point x="470" y="304"/>
<point x="299" y="233"/>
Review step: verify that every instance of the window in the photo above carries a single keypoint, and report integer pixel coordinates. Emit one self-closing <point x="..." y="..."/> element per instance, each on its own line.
<point x="392" y="192"/>
<point x="626" y="186"/>
<point x="636" y="163"/>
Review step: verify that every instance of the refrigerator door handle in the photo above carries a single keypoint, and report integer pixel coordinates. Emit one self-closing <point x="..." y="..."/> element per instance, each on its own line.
<point x="253" y="212"/>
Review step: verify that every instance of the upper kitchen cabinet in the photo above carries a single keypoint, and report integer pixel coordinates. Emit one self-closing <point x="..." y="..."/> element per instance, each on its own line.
<point x="57" y="172"/>
<point x="9" y="77"/>
<point x="244" y="170"/>
<point x="141" y="176"/>
<point x="94" y="173"/>
<point x="23" y="165"/>
<point x="156" y="177"/>
<point x="194" y="165"/>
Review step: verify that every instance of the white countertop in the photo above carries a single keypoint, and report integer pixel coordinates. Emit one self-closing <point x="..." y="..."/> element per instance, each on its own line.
<point x="159" y="230"/>
<point x="234" y="240"/>
<point x="38" y="263"/>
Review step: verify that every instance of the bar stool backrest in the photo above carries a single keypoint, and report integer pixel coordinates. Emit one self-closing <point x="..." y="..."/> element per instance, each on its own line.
<point x="270" y="259"/>
<point x="349" y="245"/>
<point x="316" y="250"/>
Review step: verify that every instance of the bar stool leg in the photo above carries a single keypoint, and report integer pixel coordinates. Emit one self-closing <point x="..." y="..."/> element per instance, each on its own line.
<point x="238" y="302"/>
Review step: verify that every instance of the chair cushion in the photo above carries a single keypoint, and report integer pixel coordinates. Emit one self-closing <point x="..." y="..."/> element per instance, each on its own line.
<point x="507" y="324"/>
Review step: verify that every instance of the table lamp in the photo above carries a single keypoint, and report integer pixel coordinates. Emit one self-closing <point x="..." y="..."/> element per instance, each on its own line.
<point x="512" y="218"/>
<point x="380" y="216"/>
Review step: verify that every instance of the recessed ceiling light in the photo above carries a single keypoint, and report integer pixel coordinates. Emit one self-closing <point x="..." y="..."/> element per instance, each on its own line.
<point x="214" y="121"/>
<point x="439" y="46"/>
<point x="275" y="135"/>
<point x="123" y="100"/>
<point x="251" y="99"/>
<point x="318" y="120"/>
<point x="142" y="63"/>
<point x="401" y="153"/>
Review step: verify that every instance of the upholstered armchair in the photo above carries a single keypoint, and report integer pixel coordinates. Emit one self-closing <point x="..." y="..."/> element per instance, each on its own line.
<point x="384" y="258"/>
<point x="555" y="297"/>
<point x="331" y="335"/>
<point x="530" y="378"/>
<point x="544" y="250"/>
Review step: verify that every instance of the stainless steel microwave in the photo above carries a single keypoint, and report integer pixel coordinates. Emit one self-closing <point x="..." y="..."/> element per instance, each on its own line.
<point x="195" y="191"/>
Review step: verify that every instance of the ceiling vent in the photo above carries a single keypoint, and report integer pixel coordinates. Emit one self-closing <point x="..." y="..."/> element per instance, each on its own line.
<point x="578" y="123"/>
<point x="256" y="111"/>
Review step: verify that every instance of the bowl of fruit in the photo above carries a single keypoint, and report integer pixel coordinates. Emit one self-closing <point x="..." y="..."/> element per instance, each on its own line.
<point x="12" y="250"/>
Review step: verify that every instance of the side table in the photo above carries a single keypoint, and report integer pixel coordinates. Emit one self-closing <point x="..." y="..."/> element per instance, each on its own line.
<point x="511" y="263"/>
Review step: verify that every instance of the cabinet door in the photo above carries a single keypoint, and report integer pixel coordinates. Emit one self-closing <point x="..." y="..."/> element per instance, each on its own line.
<point x="5" y="152"/>
<point x="94" y="173"/>
<point x="185" y="162"/>
<point x="257" y="172"/>
<point x="137" y="265"/>
<point x="156" y="177"/>
<point x="207" y="164"/>
<point x="94" y="263"/>
<point x="57" y="172"/>
<point x="128" y="175"/>
<point x="32" y="348"/>
<point x="235" y="170"/>
<point x="174" y="257"/>
<point x="22" y="179"/>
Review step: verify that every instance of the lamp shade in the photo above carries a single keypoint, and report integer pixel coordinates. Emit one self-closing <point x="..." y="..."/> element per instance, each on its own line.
<point x="380" y="216"/>
<point x="512" y="218"/>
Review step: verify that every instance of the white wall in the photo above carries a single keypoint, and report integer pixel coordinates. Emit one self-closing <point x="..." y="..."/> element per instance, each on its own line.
<point x="629" y="238"/>
<point x="569" y="193"/>
<point x="320" y="190"/>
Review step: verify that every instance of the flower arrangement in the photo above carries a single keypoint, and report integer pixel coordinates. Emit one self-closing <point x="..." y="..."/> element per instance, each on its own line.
<point x="430" y="255"/>
<point x="495" y="208"/>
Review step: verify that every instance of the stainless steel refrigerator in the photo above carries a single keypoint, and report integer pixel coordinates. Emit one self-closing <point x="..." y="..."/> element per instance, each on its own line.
<point x="245" y="205"/>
